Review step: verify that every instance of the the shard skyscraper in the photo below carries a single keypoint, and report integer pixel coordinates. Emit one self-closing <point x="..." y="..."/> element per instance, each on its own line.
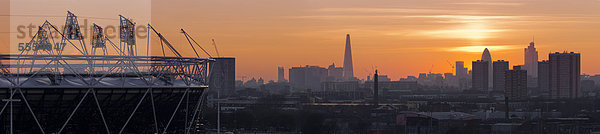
<point x="348" y="66"/>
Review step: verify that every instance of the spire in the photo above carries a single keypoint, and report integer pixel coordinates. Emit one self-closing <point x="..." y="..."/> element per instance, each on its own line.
<point x="348" y="66"/>
<point x="532" y="44"/>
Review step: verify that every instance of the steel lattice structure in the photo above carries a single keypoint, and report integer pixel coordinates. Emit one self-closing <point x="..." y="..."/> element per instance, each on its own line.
<point x="99" y="93"/>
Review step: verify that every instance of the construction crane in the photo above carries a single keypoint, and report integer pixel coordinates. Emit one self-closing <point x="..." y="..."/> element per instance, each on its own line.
<point x="431" y="68"/>
<point x="217" y="50"/>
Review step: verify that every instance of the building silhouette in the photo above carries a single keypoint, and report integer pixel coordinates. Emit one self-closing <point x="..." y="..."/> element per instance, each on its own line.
<point x="543" y="79"/>
<point x="260" y="81"/>
<point x="461" y="75"/>
<point x="515" y="84"/>
<point x="223" y="76"/>
<point x="422" y="76"/>
<point x="335" y="73"/>
<point x="348" y="66"/>
<point x="564" y="75"/>
<point x="280" y="74"/>
<point x="308" y="77"/>
<point x="480" y="75"/>
<point x="486" y="56"/>
<point x="531" y="60"/>
<point x="500" y="67"/>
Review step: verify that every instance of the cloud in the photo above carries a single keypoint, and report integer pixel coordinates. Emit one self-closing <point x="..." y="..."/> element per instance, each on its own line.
<point x="479" y="49"/>
<point x="466" y="17"/>
<point x="475" y="34"/>
<point x="491" y="3"/>
<point x="474" y="27"/>
<point x="383" y="10"/>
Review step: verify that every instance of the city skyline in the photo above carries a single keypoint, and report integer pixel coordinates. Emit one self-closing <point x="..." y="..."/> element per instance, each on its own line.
<point x="386" y="35"/>
<point x="389" y="48"/>
<point x="530" y="55"/>
<point x="435" y="67"/>
<point x="390" y="34"/>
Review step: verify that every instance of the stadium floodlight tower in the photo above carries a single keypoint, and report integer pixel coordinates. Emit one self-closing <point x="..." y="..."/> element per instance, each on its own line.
<point x="112" y="92"/>
<point x="127" y="35"/>
<point x="72" y="32"/>
<point x="98" y="40"/>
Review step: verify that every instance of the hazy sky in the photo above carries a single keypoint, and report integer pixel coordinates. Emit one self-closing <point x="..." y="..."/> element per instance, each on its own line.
<point x="398" y="37"/>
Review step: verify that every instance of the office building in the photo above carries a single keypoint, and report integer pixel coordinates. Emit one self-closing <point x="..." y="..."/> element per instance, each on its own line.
<point x="480" y="75"/>
<point x="461" y="75"/>
<point x="461" y="71"/>
<point x="223" y="76"/>
<point x="486" y="56"/>
<point x="335" y="73"/>
<point x="564" y="75"/>
<point x="515" y="84"/>
<point x="308" y="77"/>
<point x="500" y="68"/>
<point x="543" y="79"/>
<point x="280" y="74"/>
<point x="531" y="60"/>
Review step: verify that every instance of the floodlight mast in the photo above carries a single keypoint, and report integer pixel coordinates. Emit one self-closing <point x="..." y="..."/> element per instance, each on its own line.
<point x="127" y="35"/>
<point x="98" y="40"/>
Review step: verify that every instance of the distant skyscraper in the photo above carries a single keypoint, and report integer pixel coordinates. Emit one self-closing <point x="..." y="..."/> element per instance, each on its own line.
<point x="480" y="75"/>
<point x="486" y="56"/>
<point x="280" y="74"/>
<point x="515" y="86"/>
<point x="564" y="75"/>
<point x="223" y="76"/>
<point x="335" y="73"/>
<point x="461" y="71"/>
<point x="500" y="67"/>
<point x="376" y="88"/>
<point x="544" y="78"/>
<point x="461" y="74"/>
<point x="297" y="77"/>
<point x="308" y="77"/>
<point x="531" y="60"/>
<point x="348" y="66"/>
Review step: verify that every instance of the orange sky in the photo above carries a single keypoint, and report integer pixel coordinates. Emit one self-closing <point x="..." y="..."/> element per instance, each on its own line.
<point x="399" y="38"/>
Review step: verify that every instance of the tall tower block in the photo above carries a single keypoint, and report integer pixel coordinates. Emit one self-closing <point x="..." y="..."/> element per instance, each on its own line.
<point x="280" y="74"/>
<point x="486" y="56"/>
<point x="348" y="66"/>
<point x="531" y="60"/>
